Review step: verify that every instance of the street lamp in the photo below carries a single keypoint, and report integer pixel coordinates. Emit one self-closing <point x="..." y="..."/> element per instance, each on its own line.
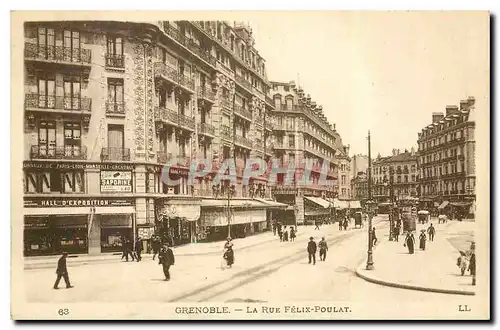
<point x="370" y="204"/>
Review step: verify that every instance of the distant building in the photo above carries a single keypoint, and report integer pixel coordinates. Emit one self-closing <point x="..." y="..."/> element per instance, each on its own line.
<point x="395" y="177"/>
<point x="359" y="187"/>
<point x="344" y="176"/>
<point x="447" y="159"/>
<point x="359" y="163"/>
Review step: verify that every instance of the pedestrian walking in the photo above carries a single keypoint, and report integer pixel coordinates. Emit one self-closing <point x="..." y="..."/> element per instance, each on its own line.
<point x="323" y="247"/>
<point x="292" y="234"/>
<point x="156" y="245"/>
<point x="311" y="250"/>
<point x="285" y="236"/>
<point x="422" y="239"/>
<point x="341" y="223"/>
<point x="374" y="237"/>
<point x="317" y="225"/>
<point x="397" y="231"/>
<point x="431" y="231"/>
<point x="62" y="271"/>
<point x="130" y="250"/>
<point x="346" y="223"/>
<point x="274" y="228"/>
<point x="280" y="233"/>
<point x="462" y="263"/>
<point x="138" y="249"/>
<point x="410" y="242"/>
<point x="229" y="252"/>
<point x="472" y="267"/>
<point x="166" y="259"/>
<point x="124" y="248"/>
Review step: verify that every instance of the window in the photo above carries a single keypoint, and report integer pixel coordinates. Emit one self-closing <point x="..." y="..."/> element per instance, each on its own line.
<point x="72" y="90"/>
<point x="71" y="42"/>
<point x="343" y="179"/>
<point x="46" y="43"/>
<point x="47" y="91"/>
<point x="413" y="178"/>
<point x="399" y="179"/>
<point x="406" y="178"/>
<point x="291" y="141"/>
<point x="344" y="192"/>
<point x="115" y="96"/>
<point x="51" y="181"/>
<point x="47" y="139"/>
<point x="72" y="140"/>
<point x="73" y="182"/>
<point x="114" y="55"/>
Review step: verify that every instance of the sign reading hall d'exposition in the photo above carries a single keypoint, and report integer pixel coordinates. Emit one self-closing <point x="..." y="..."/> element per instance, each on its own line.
<point x="116" y="181"/>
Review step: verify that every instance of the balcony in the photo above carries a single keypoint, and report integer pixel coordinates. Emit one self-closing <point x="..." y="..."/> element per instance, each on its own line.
<point x="243" y="141"/>
<point x="207" y="95"/>
<point x="115" y="61"/>
<point x="166" y="115"/>
<point x="460" y="157"/>
<point x="226" y="103"/>
<point x="224" y="69"/>
<point x="60" y="104"/>
<point x="115" y="108"/>
<point x="66" y="152"/>
<point x="202" y="53"/>
<point x="243" y="82"/>
<point x="270" y="101"/>
<point x="207" y="129"/>
<point x="259" y="120"/>
<point x="187" y="83"/>
<point x="258" y="145"/>
<point x="119" y="154"/>
<point x="186" y="122"/>
<point x="226" y="133"/>
<point x="57" y="54"/>
<point x="166" y="73"/>
<point x="164" y="157"/>
<point x="284" y="190"/>
<point x="242" y="112"/>
<point x="268" y="125"/>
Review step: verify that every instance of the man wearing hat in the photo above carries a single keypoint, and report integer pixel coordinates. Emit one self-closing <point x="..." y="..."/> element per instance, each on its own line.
<point x="62" y="271"/>
<point x="167" y="259"/>
<point x="323" y="247"/>
<point x="311" y="250"/>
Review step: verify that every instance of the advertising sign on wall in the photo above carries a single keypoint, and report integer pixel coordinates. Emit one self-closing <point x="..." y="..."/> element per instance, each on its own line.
<point x="116" y="181"/>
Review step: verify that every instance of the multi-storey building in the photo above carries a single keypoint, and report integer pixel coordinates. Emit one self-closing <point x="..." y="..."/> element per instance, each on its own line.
<point x="359" y="163"/>
<point x="395" y="177"/>
<point x="107" y="104"/>
<point x="303" y="135"/>
<point x="447" y="159"/>
<point x="344" y="173"/>
<point x="359" y="187"/>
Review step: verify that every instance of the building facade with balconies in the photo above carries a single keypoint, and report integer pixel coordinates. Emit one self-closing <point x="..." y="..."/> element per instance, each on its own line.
<point x="108" y="104"/>
<point x="447" y="160"/>
<point x="359" y="187"/>
<point x="395" y="177"/>
<point x="302" y="135"/>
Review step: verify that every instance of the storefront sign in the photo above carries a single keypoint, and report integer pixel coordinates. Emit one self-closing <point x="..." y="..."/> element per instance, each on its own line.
<point x="78" y="166"/>
<point x="76" y="202"/>
<point x="116" y="181"/>
<point x="145" y="232"/>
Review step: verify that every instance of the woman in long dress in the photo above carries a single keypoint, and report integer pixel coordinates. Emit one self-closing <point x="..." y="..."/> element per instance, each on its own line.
<point x="422" y="239"/>
<point x="410" y="242"/>
<point x="229" y="253"/>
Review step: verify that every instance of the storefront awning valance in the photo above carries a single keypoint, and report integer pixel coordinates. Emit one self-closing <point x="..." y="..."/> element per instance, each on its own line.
<point x="233" y="203"/>
<point x="355" y="204"/>
<point x="317" y="212"/>
<point x="320" y="201"/>
<point x="461" y="204"/>
<point x="219" y="218"/>
<point x="443" y="205"/>
<point x="188" y="212"/>
<point x="115" y="210"/>
<point x="272" y="204"/>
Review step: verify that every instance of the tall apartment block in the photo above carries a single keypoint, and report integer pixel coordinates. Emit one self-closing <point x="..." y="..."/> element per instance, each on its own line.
<point x="302" y="135"/>
<point x="447" y="160"/>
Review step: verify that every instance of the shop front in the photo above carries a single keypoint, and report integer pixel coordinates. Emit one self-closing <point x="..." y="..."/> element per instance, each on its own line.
<point x="316" y="209"/>
<point x="177" y="220"/>
<point x="76" y="225"/>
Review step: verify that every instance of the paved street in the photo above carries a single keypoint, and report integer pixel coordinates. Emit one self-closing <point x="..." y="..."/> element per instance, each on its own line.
<point x="271" y="272"/>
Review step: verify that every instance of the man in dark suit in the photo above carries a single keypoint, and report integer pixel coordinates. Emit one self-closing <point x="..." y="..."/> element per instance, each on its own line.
<point x="311" y="250"/>
<point x="62" y="271"/>
<point x="138" y="249"/>
<point x="167" y="259"/>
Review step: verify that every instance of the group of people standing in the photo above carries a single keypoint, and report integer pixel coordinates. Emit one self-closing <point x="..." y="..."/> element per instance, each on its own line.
<point x="344" y="223"/>
<point x="284" y="234"/>
<point x="129" y="250"/>
<point x="312" y="248"/>
<point x="410" y="239"/>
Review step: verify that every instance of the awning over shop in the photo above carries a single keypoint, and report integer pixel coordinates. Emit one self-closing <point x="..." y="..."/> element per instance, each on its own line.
<point x="461" y="204"/>
<point x="219" y="218"/>
<point x="338" y="204"/>
<point x="188" y="212"/>
<point x="443" y="205"/>
<point x="320" y="201"/>
<point x="317" y="212"/>
<point x="234" y="203"/>
<point x="355" y="204"/>
<point x="272" y="204"/>
<point x="115" y="210"/>
<point x="436" y="204"/>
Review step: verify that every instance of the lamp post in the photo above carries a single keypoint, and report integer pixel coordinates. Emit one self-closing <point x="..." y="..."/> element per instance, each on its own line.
<point x="369" y="261"/>
<point x="230" y="189"/>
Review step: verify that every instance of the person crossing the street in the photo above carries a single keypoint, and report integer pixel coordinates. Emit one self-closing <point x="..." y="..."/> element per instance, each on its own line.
<point x="323" y="247"/>
<point x="311" y="250"/>
<point x="62" y="271"/>
<point x="431" y="231"/>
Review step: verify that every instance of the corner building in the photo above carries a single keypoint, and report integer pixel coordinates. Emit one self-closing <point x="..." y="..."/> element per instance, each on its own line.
<point x="108" y="104"/>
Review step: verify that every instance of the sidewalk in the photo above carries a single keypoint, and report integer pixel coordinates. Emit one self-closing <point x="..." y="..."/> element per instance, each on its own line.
<point x="192" y="249"/>
<point x="432" y="270"/>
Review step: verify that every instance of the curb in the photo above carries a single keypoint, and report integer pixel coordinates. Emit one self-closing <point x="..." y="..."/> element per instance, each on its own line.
<point x="411" y="287"/>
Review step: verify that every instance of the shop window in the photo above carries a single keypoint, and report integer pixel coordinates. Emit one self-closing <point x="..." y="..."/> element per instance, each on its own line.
<point x="73" y="182"/>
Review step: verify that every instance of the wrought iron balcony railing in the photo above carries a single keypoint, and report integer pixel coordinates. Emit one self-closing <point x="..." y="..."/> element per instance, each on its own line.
<point x="226" y="132"/>
<point x="206" y="94"/>
<point x="186" y="82"/>
<point x="186" y="122"/>
<point x="57" y="53"/>
<point x="120" y="154"/>
<point x="239" y="110"/>
<point x="226" y="103"/>
<point x="243" y="141"/>
<point x="166" y="71"/>
<point x="242" y="81"/>
<point x="167" y="115"/>
<point x="115" y="60"/>
<point x="53" y="152"/>
<point x="206" y="128"/>
<point x="70" y="103"/>
<point x="202" y="53"/>
<point x="115" y="108"/>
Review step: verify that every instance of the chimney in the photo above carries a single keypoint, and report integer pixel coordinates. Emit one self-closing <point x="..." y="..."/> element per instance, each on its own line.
<point x="412" y="151"/>
<point x="471" y="101"/>
<point x="437" y="116"/>
<point x="397" y="151"/>
<point x="451" y="110"/>
<point x="394" y="152"/>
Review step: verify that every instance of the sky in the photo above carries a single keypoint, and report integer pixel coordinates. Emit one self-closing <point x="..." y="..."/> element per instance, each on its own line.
<point x="380" y="71"/>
